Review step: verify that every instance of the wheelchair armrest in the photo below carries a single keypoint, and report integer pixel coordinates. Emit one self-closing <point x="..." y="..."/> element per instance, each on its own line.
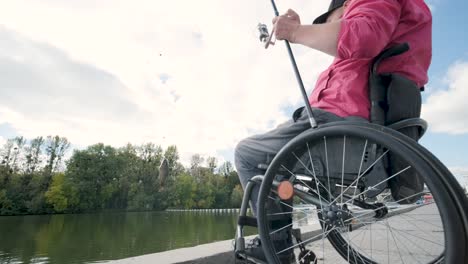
<point x="410" y="122"/>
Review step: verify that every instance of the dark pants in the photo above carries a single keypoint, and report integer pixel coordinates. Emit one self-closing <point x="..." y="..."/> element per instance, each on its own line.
<point x="260" y="149"/>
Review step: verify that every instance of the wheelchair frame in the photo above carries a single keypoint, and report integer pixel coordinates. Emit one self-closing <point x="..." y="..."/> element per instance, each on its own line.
<point x="460" y="200"/>
<point x="379" y="122"/>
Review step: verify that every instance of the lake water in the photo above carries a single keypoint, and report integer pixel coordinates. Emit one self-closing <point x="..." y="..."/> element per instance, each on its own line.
<point x="87" y="238"/>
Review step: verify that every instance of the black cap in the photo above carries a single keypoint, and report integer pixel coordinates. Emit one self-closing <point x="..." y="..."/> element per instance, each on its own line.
<point x="335" y="4"/>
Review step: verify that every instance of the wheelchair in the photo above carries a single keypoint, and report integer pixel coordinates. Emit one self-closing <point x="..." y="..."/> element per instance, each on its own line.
<point x="360" y="192"/>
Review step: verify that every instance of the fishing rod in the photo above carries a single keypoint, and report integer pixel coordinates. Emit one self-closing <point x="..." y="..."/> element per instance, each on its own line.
<point x="266" y="38"/>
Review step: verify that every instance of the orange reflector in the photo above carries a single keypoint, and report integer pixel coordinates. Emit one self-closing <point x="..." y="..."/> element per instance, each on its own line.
<point x="285" y="190"/>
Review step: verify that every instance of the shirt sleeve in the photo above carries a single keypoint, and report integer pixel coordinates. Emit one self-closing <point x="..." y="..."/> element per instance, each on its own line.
<point x="367" y="28"/>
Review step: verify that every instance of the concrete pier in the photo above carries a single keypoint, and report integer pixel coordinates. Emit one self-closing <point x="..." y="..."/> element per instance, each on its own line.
<point x="400" y="250"/>
<point x="213" y="253"/>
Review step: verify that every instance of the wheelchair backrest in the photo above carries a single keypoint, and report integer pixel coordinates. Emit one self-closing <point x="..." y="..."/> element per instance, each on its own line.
<point x="394" y="97"/>
<point x="396" y="103"/>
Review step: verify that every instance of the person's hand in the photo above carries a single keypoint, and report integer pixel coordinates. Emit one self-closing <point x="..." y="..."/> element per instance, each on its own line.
<point x="286" y="25"/>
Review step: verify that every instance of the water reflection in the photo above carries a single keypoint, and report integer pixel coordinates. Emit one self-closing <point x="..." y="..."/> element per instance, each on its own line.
<point x="93" y="237"/>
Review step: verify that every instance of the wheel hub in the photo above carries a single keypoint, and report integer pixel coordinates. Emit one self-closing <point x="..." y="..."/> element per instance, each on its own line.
<point x="336" y="215"/>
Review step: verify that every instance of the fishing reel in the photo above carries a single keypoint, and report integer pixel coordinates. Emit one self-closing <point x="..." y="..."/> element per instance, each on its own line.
<point x="264" y="36"/>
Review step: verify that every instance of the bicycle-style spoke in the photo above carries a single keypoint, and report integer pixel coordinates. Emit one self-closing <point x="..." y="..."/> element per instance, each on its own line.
<point x="318" y="189"/>
<point x="305" y="241"/>
<point x="388" y="247"/>
<point x="349" y="246"/>
<point x="413" y="243"/>
<point x="383" y="206"/>
<point x="394" y="240"/>
<point x="424" y="221"/>
<point x="311" y="172"/>
<point x="326" y="161"/>
<point x="367" y="229"/>
<point x="370" y="239"/>
<point x="342" y="167"/>
<point x="359" y="177"/>
<point x="290" y="213"/>
<point x="359" y="172"/>
<point x="359" y="223"/>
<point x="370" y="188"/>
<point x="287" y="205"/>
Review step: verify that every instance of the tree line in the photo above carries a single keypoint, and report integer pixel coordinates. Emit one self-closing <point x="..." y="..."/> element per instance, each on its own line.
<point x="41" y="176"/>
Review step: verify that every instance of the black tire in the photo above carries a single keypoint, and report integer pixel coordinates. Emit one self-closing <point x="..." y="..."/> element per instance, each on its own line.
<point x="455" y="189"/>
<point x="450" y="201"/>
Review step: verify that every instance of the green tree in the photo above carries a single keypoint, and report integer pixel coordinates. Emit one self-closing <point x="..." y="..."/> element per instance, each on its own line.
<point x="226" y="168"/>
<point x="14" y="196"/>
<point x="222" y="192"/>
<point x="212" y="163"/>
<point x="236" y="196"/>
<point x="184" y="192"/>
<point x="195" y="166"/>
<point x="56" y="196"/>
<point x="33" y="153"/>
<point x="34" y="187"/>
<point x="15" y="160"/>
<point x="6" y="153"/>
<point x="91" y="171"/>
<point x="10" y="154"/>
<point x="102" y="177"/>
<point x="56" y="148"/>
<point x="204" y="196"/>
<point x="172" y="156"/>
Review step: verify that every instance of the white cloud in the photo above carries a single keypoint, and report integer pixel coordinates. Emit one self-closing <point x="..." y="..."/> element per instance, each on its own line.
<point x="445" y="109"/>
<point x="102" y="63"/>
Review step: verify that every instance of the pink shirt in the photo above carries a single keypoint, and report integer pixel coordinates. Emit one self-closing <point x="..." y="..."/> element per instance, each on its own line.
<point x="367" y="28"/>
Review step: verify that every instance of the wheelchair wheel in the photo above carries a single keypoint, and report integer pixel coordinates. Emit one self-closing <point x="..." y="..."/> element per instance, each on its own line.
<point x="340" y="210"/>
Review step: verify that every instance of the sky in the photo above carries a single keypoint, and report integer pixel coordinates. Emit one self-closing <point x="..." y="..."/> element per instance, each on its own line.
<point x="190" y="73"/>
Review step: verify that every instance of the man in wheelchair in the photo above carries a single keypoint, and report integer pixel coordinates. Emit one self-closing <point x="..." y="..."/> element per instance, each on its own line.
<point x="366" y="82"/>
